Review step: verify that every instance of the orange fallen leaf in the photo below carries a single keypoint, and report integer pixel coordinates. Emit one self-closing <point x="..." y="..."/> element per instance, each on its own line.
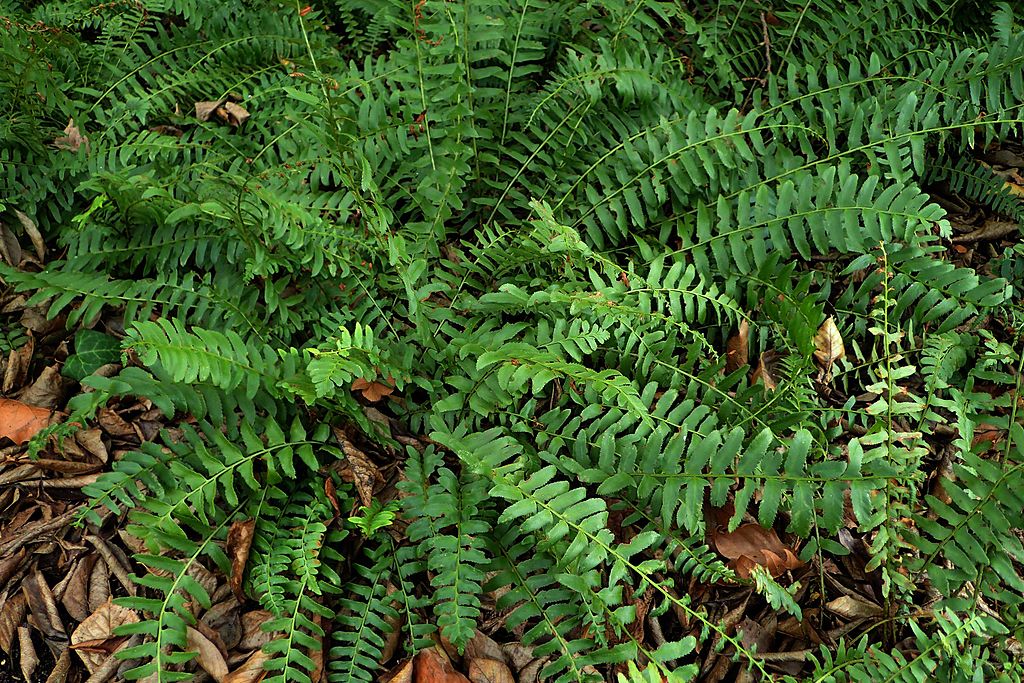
<point x="430" y="666"/>
<point x="373" y="391"/>
<point x="19" y="422"/>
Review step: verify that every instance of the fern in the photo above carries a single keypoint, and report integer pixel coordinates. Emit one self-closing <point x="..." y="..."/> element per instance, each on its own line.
<point x="534" y="230"/>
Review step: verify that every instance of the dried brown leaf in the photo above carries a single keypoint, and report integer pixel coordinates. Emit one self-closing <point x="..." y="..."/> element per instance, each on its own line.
<point x="17" y="365"/>
<point x="29" y="661"/>
<point x="253" y="636"/>
<point x="374" y="391"/>
<point x="33" y="233"/>
<point x="99" y="627"/>
<point x="481" y="646"/>
<point x="850" y="607"/>
<point x="752" y="544"/>
<point x="359" y="469"/>
<point x="431" y="666"/>
<point x="763" y="374"/>
<point x="234" y="114"/>
<point x="10" y="249"/>
<point x="43" y="606"/>
<point x="251" y="671"/>
<point x="828" y="344"/>
<point x="489" y="671"/>
<point x="61" y="667"/>
<point x="209" y="655"/>
<point x="46" y="392"/>
<point x="76" y="593"/>
<point x="736" y="350"/>
<point x="204" y="110"/>
<point x="72" y="139"/>
<point x="12" y="614"/>
<point x="99" y="585"/>
<point x="239" y="542"/>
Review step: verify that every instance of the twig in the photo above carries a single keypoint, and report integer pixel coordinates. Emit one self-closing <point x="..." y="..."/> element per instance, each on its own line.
<point x="767" y="49"/>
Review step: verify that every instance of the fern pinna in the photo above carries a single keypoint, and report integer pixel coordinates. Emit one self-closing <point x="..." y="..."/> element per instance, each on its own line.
<point x="534" y="225"/>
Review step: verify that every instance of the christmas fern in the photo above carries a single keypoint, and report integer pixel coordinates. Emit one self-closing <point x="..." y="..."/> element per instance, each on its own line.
<point x="599" y="283"/>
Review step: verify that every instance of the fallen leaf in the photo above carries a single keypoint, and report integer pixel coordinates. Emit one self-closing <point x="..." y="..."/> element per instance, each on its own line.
<point x="205" y="109"/>
<point x="76" y="593"/>
<point x="229" y="112"/>
<point x="358" y="469"/>
<point x="17" y="365"/>
<point x="20" y="422"/>
<point x="736" y="351"/>
<point x="251" y="671"/>
<point x="43" y="607"/>
<point x="61" y="667"/>
<point x="10" y="249"/>
<point x="400" y="674"/>
<point x="482" y="647"/>
<point x="431" y="666"/>
<point x="225" y="619"/>
<point x="489" y="671"/>
<point x="828" y="344"/>
<point x="28" y="660"/>
<point x="239" y="541"/>
<point x="854" y="608"/>
<point x="233" y="113"/>
<point x="209" y="656"/>
<point x="72" y="139"/>
<point x="252" y="635"/>
<point x="373" y="391"/>
<point x="751" y="544"/>
<point x="11" y="616"/>
<point x="33" y="233"/>
<point x="97" y="628"/>
<point x="46" y="392"/>
<point x="762" y="374"/>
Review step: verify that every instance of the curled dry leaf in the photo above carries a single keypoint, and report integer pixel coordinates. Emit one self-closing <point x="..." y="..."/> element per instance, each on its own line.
<point x="828" y="344"/>
<point x="239" y="541"/>
<point x="72" y="139"/>
<point x="209" y="655"/>
<point x="763" y="374"/>
<point x="229" y="112"/>
<point x="28" y="660"/>
<point x="98" y="629"/>
<point x="736" y="351"/>
<point x="33" y="233"/>
<point x="17" y="365"/>
<point x="251" y="671"/>
<point x="358" y="469"/>
<point x="854" y="608"/>
<point x="20" y="422"/>
<point x="11" y="615"/>
<point x="752" y="544"/>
